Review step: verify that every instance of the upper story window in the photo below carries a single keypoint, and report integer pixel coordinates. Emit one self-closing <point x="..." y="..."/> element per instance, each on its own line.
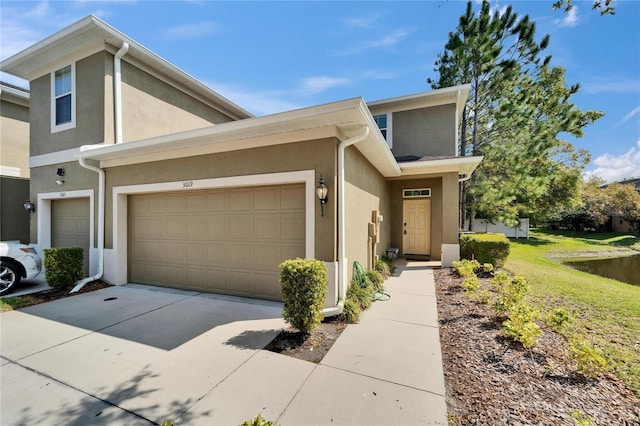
<point x="63" y="109"/>
<point x="384" y="124"/>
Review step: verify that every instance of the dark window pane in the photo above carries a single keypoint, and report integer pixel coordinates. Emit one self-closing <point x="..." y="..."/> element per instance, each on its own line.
<point x="63" y="109"/>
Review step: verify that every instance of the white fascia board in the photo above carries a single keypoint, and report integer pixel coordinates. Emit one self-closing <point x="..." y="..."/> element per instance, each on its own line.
<point x="13" y="95"/>
<point x="57" y="157"/>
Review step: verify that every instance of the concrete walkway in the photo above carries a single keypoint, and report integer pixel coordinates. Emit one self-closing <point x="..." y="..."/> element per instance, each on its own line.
<point x="138" y="355"/>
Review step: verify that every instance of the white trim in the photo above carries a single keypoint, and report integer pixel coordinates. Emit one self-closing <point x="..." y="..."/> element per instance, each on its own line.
<point x="72" y="124"/>
<point x="66" y="156"/>
<point x="43" y="210"/>
<point x="10" y="171"/>
<point x="120" y="206"/>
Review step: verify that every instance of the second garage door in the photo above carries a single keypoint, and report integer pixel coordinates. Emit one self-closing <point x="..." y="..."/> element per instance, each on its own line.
<point x="225" y="240"/>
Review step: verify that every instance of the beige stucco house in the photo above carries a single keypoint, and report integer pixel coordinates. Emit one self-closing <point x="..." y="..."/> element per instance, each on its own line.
<point x="14" y="163"/>
<point x="166" y="182"/>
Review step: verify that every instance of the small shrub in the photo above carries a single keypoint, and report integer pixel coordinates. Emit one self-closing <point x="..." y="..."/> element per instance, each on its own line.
<point x="361" y="295"/>
<point x="485" y="248"/>
<point x="376" y="278"/>
<point x="487" y="268"/>
<point x="64" y="266"/>
<point x="304" y="289"/>
<point x="511" y="294"/>
<point x="465" y="267"/>
<point x="581" y="419"/>
<point x="484" y="297"/>
<point x="471" y="284"/>
<point x="500" y="280"/>
<point x="558" y="318"/>
<point x="589" y="359"/>
<point x="382" y="267"/>
<point x="521" y="325"/>
<point x="351" y="311"/>
<point x="258" y="421"/>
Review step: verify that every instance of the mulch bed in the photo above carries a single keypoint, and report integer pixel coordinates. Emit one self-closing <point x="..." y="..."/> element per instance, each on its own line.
<point x="311" y="346"/>
<point x="55" y="294"/>
<point x="490" y="380"/>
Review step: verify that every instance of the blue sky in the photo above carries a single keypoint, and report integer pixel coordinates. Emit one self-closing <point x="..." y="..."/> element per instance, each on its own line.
<point x="275" y="56"/>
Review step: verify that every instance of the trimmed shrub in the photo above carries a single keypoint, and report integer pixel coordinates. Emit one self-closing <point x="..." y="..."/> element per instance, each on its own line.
<point x="258" y="421"/>
<point x="485" y="248"/>
<point x="64" y="266"/>
<point x="465" y="267"/>
<point x="304" y="290"/>
<point x="521" y="325"/>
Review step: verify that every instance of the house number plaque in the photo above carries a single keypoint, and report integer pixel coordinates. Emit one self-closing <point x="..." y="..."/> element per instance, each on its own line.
<point x="187" y="184"/>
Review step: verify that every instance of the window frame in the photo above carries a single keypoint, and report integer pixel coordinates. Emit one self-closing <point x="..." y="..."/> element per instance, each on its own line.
<point x="69" y="124"/>
<point x="388" y="129"/>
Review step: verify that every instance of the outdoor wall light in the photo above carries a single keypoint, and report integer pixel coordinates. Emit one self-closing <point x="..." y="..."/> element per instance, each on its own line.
<point x="60" y="172"/>
<point x="29" y="207"/>
<point x="322" y="191"/>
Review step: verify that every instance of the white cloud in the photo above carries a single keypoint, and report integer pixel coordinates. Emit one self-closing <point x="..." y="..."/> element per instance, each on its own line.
<point x="193" y="30"/>
<point x="363" y="22"/>
<point x="390" y="39"/>
<point x="614" y="168"/>
<point x="628" y="116"/>
<point x="570" y="19"/>
<point x="611" y="85"/>
<point x="259" y="102"/>
<point x="314" y="85"/>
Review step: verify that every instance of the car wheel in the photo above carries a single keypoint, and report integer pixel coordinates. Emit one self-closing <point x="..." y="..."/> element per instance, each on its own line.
<point x="9" y="276"/>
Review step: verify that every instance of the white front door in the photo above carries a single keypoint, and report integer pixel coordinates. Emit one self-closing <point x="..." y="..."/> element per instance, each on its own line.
<point x="416" y="230"/>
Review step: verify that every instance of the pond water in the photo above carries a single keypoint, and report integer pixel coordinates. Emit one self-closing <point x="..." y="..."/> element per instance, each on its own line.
<point x="625" y="269"/>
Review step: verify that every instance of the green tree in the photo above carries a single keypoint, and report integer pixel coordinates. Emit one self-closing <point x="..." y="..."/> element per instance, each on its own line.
<point x="517" y="108"/>
<point x="604" y="6"/>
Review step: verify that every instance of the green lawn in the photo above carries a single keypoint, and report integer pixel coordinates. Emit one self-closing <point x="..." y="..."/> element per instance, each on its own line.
<point x="607" y="312"/>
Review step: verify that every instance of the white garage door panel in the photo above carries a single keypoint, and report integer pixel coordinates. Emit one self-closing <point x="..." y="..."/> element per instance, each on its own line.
<point x="229" y="241"/>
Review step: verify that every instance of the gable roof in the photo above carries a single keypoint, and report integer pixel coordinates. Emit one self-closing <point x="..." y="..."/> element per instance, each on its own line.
<point x="90" y="35"/>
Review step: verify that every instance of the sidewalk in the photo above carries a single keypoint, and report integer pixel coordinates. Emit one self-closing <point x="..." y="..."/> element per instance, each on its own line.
<point x="385" y="370"/>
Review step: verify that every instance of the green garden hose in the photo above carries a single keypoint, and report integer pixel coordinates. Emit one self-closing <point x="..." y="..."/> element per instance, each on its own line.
<point x="361" y="278"/>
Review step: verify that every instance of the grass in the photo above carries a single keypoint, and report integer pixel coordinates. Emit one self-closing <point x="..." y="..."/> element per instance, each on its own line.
<point x="11" y="303"/>
<point x="606" y="312"/>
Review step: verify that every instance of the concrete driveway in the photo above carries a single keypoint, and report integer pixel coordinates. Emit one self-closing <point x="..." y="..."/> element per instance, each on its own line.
<point x="138" y="355"/>
<point x="128" y="355"/>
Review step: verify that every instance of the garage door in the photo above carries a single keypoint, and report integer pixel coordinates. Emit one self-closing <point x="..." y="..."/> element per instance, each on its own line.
<point x="224" y="241"/>
<point x="70" y="225"/>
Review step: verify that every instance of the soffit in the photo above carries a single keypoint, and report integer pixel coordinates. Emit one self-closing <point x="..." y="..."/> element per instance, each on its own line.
<point x="438" y="166"/>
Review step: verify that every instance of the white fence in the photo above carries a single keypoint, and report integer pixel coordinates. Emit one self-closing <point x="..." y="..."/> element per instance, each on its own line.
<point x="520" y="231"/>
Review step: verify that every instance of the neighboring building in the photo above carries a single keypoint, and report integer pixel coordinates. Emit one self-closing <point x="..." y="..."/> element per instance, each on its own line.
<point x="14" y="163"/>
<point x="183" y="188"/>
<point x="618" y="224"/>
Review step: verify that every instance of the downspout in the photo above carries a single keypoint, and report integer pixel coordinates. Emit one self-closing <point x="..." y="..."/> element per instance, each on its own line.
<point x="101" y="190"/>
<point x="342" y="260"/>
<point x="117" y="104"/>
<point x="117" y="90"/>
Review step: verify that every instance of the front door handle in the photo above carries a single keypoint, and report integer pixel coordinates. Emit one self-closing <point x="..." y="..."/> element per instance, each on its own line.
<point x="405" y="232"/>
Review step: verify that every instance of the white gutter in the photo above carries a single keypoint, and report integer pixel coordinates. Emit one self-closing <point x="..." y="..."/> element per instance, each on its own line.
<point x="117" y="90"/>
<point x="342" y="260"/>
<point x="101" y="191"/>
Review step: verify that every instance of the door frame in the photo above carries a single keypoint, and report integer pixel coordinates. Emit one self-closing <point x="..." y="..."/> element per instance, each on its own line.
<point x="428" y="211"/>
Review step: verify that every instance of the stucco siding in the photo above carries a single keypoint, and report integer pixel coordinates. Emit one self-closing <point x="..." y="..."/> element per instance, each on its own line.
<point x="152" y="107"/>
<point x="426" y="131"/>
<point x="365" y="191"/>
<point x="89" y="98"/>
<point x="318" y="155"/>
<point x="14" y="147"/>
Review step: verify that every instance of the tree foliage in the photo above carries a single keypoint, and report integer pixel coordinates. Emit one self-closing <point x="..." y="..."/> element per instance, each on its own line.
<point x="605" y="7"/>
<point x="517" y="109"/>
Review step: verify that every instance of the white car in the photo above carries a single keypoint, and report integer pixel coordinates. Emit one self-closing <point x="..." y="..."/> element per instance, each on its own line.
<point x="17" y="261"/>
